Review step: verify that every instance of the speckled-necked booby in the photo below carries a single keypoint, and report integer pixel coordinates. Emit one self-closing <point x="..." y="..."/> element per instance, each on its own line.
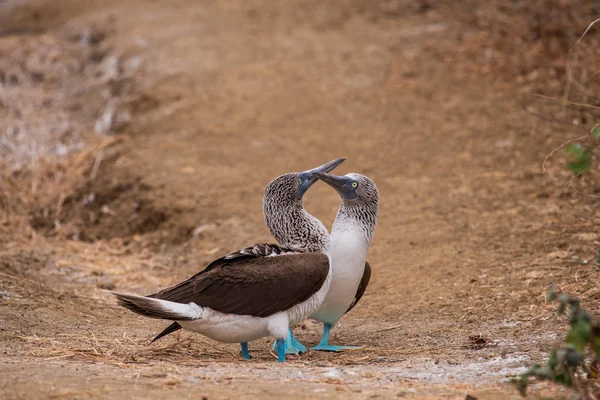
<point x="258" y="291"/>
<point x="281" y="213"/>
<point x="351" y="237"/>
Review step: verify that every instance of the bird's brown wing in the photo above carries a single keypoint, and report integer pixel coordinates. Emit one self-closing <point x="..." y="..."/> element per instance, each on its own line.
<point x="362" y="286"/>
<point x="250" y="285"/>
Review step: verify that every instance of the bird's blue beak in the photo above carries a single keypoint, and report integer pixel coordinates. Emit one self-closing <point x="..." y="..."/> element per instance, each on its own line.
<point x="307" y="178"/>
<point x="342" y="184"/>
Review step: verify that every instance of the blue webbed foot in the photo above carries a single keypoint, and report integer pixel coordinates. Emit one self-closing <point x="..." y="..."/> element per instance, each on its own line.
<point x="292" y="346"/>
<point x="281" y="350"/>
<point x="245" y="352"/>
<point x="324" y="343"/>
<point x="330" y="347"/>
<point x="299" y="346"/>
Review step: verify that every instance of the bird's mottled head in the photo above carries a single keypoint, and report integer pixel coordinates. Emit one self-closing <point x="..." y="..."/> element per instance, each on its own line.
<point x="285" y="216"/>
<point x="291" y="187"/>
<point x="352" y="186"/>
<point x="360" y="203"/>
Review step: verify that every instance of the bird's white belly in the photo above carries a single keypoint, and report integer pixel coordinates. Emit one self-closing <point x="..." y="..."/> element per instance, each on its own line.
<point x="228" y="328"/>
<point x="348" y="255"/>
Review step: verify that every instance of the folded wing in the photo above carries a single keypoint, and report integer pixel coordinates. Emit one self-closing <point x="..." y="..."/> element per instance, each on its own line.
<point x="362" y="286"/>
<point x="253" y="285"/>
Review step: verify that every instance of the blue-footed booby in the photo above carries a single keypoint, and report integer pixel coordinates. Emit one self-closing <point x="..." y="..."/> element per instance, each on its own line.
<point x="259" y="291"/>
<point x="281" y="213"/>
<point x="351" y="237"/>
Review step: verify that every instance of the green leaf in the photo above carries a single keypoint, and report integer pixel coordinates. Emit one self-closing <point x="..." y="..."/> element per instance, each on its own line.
<point x="573" y="358"/>
<point x="552" y="360"/>
<point x="521" y="385"/>
<point x="574" y="340"/>
<point x="563" y="379"/>
<point x="584" y="328"/>
<point x="545" y="373"/>
<point x="579" y="335"/>
<point x="596" y="131"/>
<point x="596" y="339"/>
<point x="574" y="315"/>
<point x="562" y="303"/>
<point x="552" y="291"/>
<point x="581" y="158"/>
<point x="580" y="167"/>
<point x="576" y="150"/>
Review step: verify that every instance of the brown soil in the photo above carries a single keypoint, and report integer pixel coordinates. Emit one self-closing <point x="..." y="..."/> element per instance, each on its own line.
<point x="138" y="137"/>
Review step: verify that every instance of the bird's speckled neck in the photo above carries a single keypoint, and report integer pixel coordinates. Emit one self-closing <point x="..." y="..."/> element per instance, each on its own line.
<point x="289" y="223"/>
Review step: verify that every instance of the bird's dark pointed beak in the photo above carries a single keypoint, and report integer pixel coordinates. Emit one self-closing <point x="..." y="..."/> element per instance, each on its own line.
<point x="342" y="184"/>
<point x="307" y="178"/>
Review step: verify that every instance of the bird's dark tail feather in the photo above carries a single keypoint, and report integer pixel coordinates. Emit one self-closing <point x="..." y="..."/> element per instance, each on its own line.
<point x="174" y="327"/>
<point x="149" y="307"/>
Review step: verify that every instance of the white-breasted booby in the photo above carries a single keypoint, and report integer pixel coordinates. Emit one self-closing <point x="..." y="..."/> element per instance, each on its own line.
<point x="256" y="291"/>
<point x="351" y="237"/>
<point x="281" y="213"/>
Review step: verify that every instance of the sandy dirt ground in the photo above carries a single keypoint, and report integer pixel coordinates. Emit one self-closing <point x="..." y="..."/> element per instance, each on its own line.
<point x="138" y="137"/>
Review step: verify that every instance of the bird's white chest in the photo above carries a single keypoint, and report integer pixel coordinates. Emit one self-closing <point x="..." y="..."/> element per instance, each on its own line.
<point x="348" y="255"/>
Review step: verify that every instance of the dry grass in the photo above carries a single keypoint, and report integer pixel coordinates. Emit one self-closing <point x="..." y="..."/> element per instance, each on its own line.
<point x="63" y="97"/>
<point x="38" y="190"/>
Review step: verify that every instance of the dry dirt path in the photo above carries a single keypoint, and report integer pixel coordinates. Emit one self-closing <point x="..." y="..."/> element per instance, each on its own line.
<point x="225" y="96"/>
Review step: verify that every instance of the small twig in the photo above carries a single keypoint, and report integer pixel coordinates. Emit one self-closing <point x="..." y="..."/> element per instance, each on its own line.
<point x="59" y="205"/>
<point x="566" y="102"/>
<point x="389" y="328"/>
<point x="59" y="357"/>
<point x="584" y="33"/>
<point x="558" y="148"/>
<point x="585" y="194"/>
<point x="569" y="83"/>
<point x="96" y="166"/>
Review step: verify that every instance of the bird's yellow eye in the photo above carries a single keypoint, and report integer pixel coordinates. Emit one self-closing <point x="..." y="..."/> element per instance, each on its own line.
<point x="354" y="184"/>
